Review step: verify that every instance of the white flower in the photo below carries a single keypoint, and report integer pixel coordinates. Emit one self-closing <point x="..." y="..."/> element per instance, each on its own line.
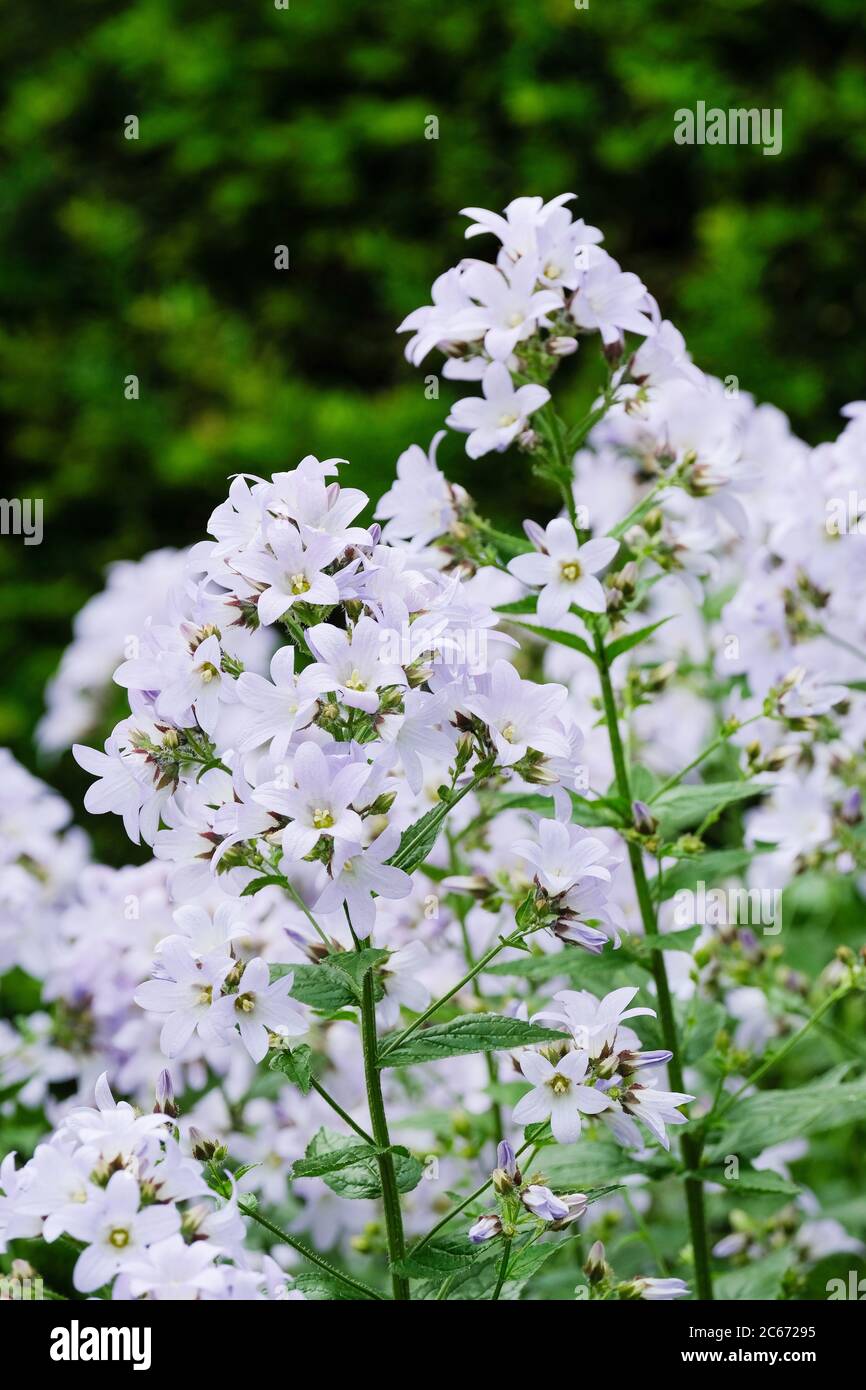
<point x="611" y="301"/>
<point x="279" y="706"/>
<point x="512" y="305"/>
<point x="358" y="874"/>
<point x="660" y="1290"/>
<point x="173" y="1270"/>
<point x="259" y="1008"/>
<point x="558" y="1094"/>
<point x="519" y="714"/>
<point x="353" y="664"/>
<point x="654" y="1107"/>
<point x="186" y="991"/>
<point x="565" y="569"/>
<point x="596" y="1024"/>
<point x="115" y="1226"/>
<point x="563" y="855"/>
<point x="113" y="1129"/>
<point x="195" y="683"/>
<point x="319" y="803"/>
<point x="421" y="504"/>
<point x="293" y="571"/>
<point x="451" y="318"/>
<point x="496" y="419"/>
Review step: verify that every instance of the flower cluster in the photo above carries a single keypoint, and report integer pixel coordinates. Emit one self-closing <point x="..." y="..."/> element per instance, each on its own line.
<point x="436" y="812"/>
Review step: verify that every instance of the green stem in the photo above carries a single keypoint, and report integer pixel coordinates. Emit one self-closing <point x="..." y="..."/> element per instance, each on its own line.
<point x="771" y="1061"/>
<point x="467" y="1201"/>
<point x="433" y="1008"/>
<point x="503" y="1270"/>
<point x="691" y="1146"/>
<point x="308" y="1254"/>
<point x="385" y="1160"/>
<point x="704" y="753"/>
<point x="338" y="1109"/>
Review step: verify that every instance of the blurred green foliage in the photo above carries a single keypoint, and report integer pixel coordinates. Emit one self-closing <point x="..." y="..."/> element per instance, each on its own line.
<point x="305" y="126"/>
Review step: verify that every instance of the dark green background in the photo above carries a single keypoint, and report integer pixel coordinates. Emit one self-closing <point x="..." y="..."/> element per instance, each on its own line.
<point x="306" y="127"/>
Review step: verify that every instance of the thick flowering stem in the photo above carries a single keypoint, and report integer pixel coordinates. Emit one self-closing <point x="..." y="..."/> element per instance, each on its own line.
<point x="691" y="1146"/>
<point x="379" y="1123"/>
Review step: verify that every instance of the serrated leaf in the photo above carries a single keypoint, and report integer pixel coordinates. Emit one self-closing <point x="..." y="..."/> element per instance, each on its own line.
<point x="770" y="1117"/>
<point x="328" y="987"/>
<point x="319" y="1288"/>
<point x="470" y="1033"/>
<point x="442" y="1256"/>
<point x="356" y="964"/>
<point x="684" y="806"/>
<point x="295" y="1065"/>
<point x="267" y="881"/>
<point x="631" y="639"/>
<point x="359" y="1177"/>
<point x="601" y="811"/>
<point x="751" y="1181"/>
<point x="418" y="839"/>
<point x="317" y="1164"/>
<point x="760" y="1280"/>
<point x="707" y="868"/>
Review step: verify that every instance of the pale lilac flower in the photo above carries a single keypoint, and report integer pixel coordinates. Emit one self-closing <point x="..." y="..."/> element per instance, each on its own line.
<point x="293" y="570"/>
<point x="611" y="301"/>
<point x="512" y="307"/>
<point x="186" y="989"/>
<point x="259" y="1008"/>
<point x="319" y="803"/>
<point x="358" y="874"/>
<point x="494" y="420"/>
<point x="353" y="664"/>
<point x="543" y="1203"/>
<point x="115" y="1227"/>
<point x="485" y="1228"/>
<point x="564" y="569"/>
<point x="172" y="1270"/>
<point x="278" y="706"/>
<point x="519" y="714"/>
<point x="596" y="1024"/>
<point x="558" y="1094"/>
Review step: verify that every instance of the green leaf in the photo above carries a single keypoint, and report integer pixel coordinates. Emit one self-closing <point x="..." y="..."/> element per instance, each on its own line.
<point x="562" y="639"/>
<point x="268" y="881"/>
<point x="442" y="1256"/>
<point x="351" y="1169"/>
<point x="770" y="1117"/>
<point x="631" y="639"/>
<point x="296" y="1065"/>
<point x="684" y="806"/>
<point x="356" y="964"/>
<point x="760" y="1280"/>
<point x="601" y="811"/>
<point x="327" y="987"/>
<point x="707" y="868"/>
<point x="320" y="1288"/>
<point x="751" y="1181"/>
<point x="470" y="1033"/>
<point x="418" y="839"/>
<point x="479" y="1280"/>
<point x="591" y="1163"/>
<point x="317" y="1164"/>
<point x="611" y="970"/>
